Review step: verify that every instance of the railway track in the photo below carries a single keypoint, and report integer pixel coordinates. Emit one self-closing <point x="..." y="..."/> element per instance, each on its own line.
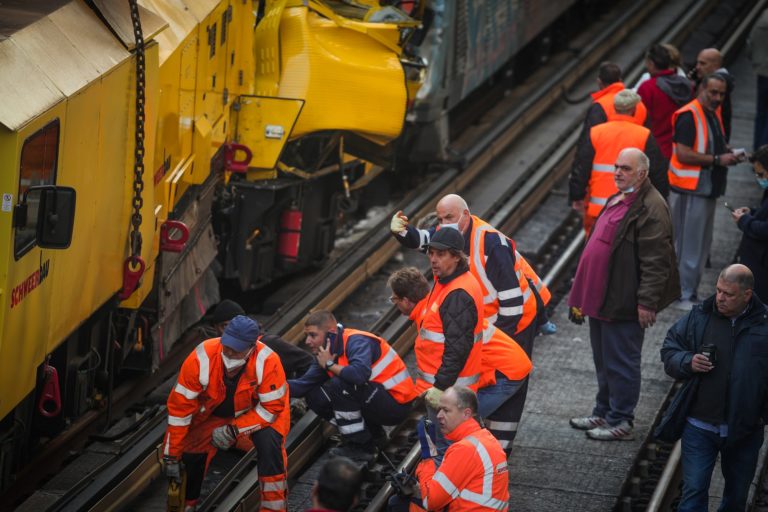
<point x="332" y="286"/>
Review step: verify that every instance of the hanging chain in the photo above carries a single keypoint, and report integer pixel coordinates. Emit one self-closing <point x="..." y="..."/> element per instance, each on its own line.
<point x="138" y="165"/>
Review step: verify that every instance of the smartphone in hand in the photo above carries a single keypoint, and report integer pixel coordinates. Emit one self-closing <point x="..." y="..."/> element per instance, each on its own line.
<point x="728" y="206"/>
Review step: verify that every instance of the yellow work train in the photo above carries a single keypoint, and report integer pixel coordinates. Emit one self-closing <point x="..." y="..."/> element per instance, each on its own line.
<point x="134" y="156"/>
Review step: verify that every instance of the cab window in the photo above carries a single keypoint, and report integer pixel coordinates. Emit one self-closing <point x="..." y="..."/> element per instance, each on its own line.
<point x="39" y="157"/>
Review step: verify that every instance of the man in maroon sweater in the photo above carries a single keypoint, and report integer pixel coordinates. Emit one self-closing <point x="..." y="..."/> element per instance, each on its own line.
<point x="662" y="95"/>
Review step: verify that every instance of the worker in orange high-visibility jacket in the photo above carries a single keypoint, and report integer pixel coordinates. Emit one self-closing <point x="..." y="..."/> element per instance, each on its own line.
<point x="509" y="301"/>
<point x="227" y="388"/>
<point x="473" y="476"/>
<point x="359" y="383"/>
<point x="602" y="108"/>
<point x="504" y="364"/>
<point x="591" y="182"/>
<point x="698" y="172"/>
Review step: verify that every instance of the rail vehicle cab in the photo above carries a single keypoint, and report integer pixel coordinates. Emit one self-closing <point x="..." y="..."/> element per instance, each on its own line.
<point x="261" y="121"/>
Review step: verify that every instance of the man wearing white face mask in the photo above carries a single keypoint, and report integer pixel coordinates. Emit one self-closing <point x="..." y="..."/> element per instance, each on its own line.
<point x="626" y="274"/>
<point x="227" y="388"/>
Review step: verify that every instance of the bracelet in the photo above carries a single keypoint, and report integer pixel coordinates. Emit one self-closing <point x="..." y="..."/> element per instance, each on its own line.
<point x="716" y="160"/>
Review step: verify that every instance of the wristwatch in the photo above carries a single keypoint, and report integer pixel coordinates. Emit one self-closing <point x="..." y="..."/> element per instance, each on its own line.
<point x="716" y="160"/>
<point x="329" y="364"/>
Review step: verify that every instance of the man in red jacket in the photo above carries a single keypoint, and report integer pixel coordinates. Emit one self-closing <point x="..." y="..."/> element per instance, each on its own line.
<point x="662" y="95"/>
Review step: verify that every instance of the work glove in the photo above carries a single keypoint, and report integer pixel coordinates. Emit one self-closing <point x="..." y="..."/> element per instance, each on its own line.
<point x="427" y="436"/>
<point x="575" y="315"/>
<point x="403" y="484"/>
<point x="172" y="468"/>
<point x="223" y="437"/>
<point x="432" y="397"/>
<point x="399" y="224"/>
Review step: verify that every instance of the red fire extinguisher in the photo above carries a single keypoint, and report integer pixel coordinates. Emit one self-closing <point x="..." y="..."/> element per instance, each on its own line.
<point x="289" y="239"/>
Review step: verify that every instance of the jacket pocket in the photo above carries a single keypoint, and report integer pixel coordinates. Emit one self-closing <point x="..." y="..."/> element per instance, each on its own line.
<point x="608" y="232"/>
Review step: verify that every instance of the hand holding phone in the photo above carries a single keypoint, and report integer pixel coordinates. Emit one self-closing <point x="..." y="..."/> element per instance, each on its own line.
<point x="741" y="154"/>
<point x="728" y="206"/>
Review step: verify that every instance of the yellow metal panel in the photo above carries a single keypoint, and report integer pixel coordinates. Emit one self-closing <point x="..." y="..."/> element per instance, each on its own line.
<point x="267" y="50"/>
<point x="200" y="9"/>
<point x="26" y="325"/>
<point x="118" y="15"/>
<point x="264" y="124"/>
<point x="349" y="81"/>
<point x="181" y="23"/>
<point x="89" y="35"/>
<point x="202" y="144"/>
<point x="52" y="51"/>
<point x="240" y="49"/>
<point x="21" y="104"/>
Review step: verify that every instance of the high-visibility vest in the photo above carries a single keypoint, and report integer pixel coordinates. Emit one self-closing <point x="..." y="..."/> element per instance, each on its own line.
<point x="608" y="139"/>
<point x="686" y="176"/>
<point x="502" y="353"/>
<point x="430" y="338"/>
<point x="473" y="476"/>
<point x="388" y="370"/>
<point x="261" y="397"/>
<point x="522" y="271"/>
<point x="605" y="98"/>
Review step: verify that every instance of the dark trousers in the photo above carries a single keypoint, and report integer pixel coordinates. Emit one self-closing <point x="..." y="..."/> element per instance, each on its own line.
<point x="198" y="452"/>
<point x="761" y="115"/>
<point x="501" y="407"/>
<point x="356" y="410"/>
<point x="737" y="462"/>
<point x="616" y="348"/>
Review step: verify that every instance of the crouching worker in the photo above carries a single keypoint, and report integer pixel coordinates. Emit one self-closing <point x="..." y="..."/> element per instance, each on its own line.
<point x="227" y="388"/>
<point x="359" y="384"/>
<point x="473" y="475"/>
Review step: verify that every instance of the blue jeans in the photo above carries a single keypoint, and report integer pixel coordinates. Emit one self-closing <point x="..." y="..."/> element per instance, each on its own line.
<point x="501" y="407"/>
<point x="491" y="398"/>
<point x="737" y="462"/>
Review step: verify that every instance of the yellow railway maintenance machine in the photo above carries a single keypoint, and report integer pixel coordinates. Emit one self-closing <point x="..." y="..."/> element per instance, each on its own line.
<point x="134" y="157"/>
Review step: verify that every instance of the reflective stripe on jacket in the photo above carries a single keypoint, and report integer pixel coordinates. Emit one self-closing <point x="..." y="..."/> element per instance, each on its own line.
<point x="606" y="96"/>
<point x="608" y="139"/>
<point x="473" y="476"/>
<point x="534" y="279"/>
<point x="500" y="352"/>
<point x="477" y="261"/>
<point x="389" y="370"/>
<point x="261" y="397"/>
<point x="430" y="339"/>
<point x="686" y="176"/>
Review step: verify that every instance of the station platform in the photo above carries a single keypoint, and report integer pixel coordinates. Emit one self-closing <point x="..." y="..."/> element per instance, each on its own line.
<point x="555" y="467"/>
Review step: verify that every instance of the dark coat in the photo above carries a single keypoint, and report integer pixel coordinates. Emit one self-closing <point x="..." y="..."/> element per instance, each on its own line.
<point x="643" y="268"/>
<point x="753" y="251"/>
<point x="748" y="385"/>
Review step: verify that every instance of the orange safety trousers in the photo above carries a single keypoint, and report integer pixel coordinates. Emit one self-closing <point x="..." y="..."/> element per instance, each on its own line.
<point x="197" y="453"/>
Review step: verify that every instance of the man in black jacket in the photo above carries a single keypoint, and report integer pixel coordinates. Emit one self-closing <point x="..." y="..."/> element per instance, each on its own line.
<point x="720" y="351"/>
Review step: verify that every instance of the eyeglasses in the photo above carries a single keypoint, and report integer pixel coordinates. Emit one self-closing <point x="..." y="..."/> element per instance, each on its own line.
<point x="623" y="168"/>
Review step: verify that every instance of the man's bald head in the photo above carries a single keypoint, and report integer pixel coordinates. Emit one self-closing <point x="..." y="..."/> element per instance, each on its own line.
<point x="708" y="61"/>
<point x="453" y="209"/>
<point x="738" y="274"/>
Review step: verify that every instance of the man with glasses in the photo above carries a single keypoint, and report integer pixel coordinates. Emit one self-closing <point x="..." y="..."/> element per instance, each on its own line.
<point x="626" y="274"/>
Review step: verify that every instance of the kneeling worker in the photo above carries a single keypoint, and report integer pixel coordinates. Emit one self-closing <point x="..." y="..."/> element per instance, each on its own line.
<point x="229" y="387"/>
<point x="473" y="474"/>
<point x="359" y="383"/>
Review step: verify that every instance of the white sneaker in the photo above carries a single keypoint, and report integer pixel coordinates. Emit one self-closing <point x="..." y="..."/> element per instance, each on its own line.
<point x="620" y="432"/>
<point x="587" y="422"/>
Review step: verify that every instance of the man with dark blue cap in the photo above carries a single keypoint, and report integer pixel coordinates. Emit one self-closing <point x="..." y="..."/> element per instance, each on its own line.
<point x="229" y="387"/>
